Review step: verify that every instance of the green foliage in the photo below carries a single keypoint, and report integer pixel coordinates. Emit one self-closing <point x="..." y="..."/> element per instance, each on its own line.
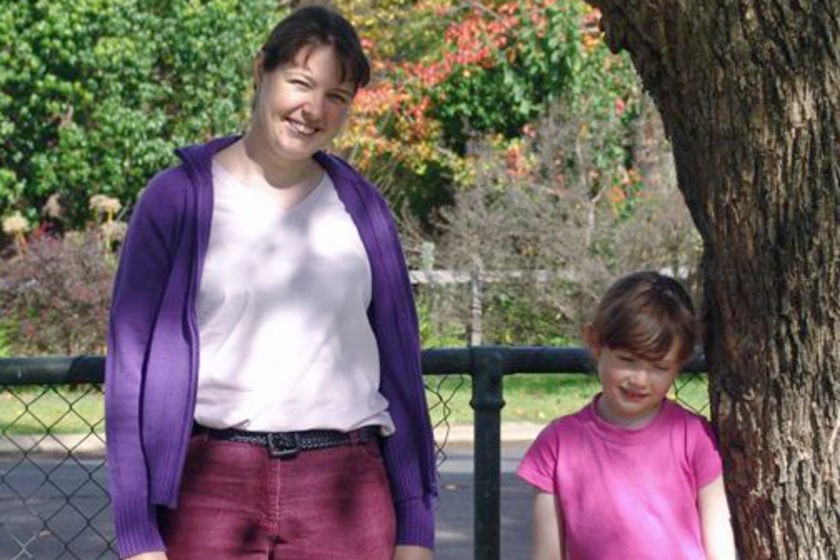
<point x="516" y="315"/>
<point x="5" y="351"/>
<point x="539" y="62"/>
<point x="434" y="332"/>
<point x="95" y="94"/>
<point x="55" y="296"/>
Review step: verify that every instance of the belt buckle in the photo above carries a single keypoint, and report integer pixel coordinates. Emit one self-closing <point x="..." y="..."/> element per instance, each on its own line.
<point x="283" y="445"/>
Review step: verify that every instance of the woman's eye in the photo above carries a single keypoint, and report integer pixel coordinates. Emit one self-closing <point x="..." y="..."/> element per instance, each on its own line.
<point x="339" y="98"/>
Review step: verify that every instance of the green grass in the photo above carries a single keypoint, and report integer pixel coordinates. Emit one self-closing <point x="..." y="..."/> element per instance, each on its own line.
<point x="34" y="410"/>
<point x="539" y="398"/>
<point x="528" y="397"/>
<point x="534" y="398"/>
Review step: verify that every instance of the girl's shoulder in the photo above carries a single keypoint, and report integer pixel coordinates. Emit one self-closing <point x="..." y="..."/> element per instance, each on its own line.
<point x="695" y="429"/>
<point x="569" y="424"/>
<point x="678" y="413"/>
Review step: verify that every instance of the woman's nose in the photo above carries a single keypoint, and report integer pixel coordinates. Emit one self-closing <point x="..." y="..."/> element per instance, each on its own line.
<point x="313" y="109"/>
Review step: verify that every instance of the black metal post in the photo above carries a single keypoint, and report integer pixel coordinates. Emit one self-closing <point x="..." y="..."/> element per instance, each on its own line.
<point x="488" y="369"/>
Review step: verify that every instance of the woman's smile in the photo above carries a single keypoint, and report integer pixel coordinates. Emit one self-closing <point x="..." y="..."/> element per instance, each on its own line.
<point x="301" y="128"/>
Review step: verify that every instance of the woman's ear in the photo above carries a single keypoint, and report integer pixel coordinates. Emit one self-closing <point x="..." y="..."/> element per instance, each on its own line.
<point x="258" y="68"/>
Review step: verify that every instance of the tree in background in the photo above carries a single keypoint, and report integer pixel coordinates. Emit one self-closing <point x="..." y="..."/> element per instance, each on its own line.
<point x="563" y="224"/>
<point x="498" y="67"/>
<point x="506" y="108"/>
<point x="749" y="92"/>
<point x="95" y="95"/>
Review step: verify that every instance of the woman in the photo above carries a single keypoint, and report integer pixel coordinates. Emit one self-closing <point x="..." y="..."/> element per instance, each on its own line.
<point x="263" y="389"/>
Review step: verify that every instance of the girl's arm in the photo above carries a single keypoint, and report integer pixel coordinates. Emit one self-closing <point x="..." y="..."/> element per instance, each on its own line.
<point x="546" y="543"/>
<point x="714" y="520"/>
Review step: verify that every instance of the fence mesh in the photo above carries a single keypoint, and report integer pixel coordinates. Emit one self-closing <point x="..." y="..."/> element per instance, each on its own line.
<point x="440" y="392"/>
<point x="692" y="391"/>
<point x="53" y="487"/>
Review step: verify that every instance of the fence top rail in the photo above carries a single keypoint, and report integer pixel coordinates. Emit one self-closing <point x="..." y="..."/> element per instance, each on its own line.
<point x="502" y="360"/>
<point x="52" y="370"/>
<point x="438" y="276"/>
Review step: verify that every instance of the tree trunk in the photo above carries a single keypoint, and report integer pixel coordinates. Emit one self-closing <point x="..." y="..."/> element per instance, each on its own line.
<point x="749" y="91"/>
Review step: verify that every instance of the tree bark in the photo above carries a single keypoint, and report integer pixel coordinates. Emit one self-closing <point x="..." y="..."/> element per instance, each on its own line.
<point x="749" y="91"/>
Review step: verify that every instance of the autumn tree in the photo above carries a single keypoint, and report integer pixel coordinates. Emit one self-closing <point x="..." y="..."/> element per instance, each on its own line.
<point x="749" y="91"/>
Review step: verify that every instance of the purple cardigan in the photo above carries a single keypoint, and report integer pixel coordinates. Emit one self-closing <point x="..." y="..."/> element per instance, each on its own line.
<point x="152" y="362"/>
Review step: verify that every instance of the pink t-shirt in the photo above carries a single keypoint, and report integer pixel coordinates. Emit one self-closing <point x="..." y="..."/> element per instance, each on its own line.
<point x="626" y="494"/>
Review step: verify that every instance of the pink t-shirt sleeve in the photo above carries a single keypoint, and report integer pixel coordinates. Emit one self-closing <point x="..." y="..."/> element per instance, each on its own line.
<point x="540" y="461"/>
<point x="705" y="457"/>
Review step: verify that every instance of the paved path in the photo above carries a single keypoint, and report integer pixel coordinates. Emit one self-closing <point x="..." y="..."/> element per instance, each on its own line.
<point x="455" y="510"/>
<point x="46" y="482"/>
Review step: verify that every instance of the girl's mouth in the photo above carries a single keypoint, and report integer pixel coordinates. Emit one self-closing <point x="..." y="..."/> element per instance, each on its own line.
<point x="633" y="395"/>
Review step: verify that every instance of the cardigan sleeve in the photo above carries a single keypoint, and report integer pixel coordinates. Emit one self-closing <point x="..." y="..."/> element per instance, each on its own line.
<point x="409" y="452"/>
<point x="145" y="262"/>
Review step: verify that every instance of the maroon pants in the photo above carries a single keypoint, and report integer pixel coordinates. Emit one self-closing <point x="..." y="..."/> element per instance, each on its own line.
<point x="236" y="503"/>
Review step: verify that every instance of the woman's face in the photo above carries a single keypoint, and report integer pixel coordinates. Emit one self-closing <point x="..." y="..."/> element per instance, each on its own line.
<point x="301" y="106"/>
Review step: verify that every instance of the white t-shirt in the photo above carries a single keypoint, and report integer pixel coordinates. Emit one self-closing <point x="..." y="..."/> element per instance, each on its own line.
<point x="282" y="309"/>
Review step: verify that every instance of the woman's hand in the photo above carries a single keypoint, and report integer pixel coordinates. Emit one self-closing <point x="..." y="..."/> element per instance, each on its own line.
<point x="156" y="555"/>
<point x="403" y="552"/>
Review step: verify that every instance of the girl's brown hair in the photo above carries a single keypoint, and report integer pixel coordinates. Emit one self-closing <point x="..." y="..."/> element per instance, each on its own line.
<point x="645" y="313"/>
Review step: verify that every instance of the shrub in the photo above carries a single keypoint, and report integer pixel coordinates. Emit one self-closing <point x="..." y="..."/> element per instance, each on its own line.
<point x="95" y="95"/>
<point x="55" y="295"/>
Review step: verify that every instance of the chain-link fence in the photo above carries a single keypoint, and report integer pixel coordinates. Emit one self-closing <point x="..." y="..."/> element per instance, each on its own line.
<point x="53" y="487"/>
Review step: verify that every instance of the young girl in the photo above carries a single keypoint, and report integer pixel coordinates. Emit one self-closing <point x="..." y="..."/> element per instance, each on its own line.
<point x="263" y="389"/>
<point x="632" y="476"/>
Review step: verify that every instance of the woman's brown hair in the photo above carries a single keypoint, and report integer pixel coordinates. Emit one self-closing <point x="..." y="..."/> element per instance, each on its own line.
<point x="313" y="26"/>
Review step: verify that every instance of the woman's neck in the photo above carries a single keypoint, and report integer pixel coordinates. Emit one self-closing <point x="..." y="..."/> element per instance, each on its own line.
<point x="279" y="173"/>
<point x="290" y="180"/>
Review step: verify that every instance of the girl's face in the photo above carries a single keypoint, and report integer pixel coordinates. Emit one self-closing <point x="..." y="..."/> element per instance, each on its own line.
<point x="301" y="106"/>
<point x="632" y="387"/>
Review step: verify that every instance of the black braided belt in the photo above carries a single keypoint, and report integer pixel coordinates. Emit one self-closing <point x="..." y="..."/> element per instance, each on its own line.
<point x="288" y="444"/>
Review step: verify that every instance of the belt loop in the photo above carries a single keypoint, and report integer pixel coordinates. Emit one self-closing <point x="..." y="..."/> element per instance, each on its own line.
<point x="200" y="432"/>
<point x="363" y="435"/>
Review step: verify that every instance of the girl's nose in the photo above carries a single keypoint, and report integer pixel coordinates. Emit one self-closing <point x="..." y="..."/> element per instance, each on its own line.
<point x="639" y="377"/>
